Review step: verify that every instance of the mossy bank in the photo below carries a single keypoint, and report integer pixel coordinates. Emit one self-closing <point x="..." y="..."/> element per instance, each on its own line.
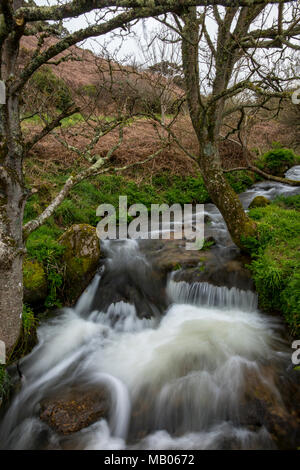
<point x="275" y="262"/>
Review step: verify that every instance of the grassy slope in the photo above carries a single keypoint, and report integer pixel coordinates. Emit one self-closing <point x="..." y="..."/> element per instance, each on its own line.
<point x="276" y="258"/>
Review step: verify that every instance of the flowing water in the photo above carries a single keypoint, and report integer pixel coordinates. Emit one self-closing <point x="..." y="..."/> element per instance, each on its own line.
<point x="182" y="363"/>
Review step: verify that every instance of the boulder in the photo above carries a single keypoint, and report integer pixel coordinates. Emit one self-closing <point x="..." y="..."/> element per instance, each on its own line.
<point x="219" y="271"/>
<point x="81" y="258"/>
<point x="259" y="201"/>
<point x="262" y="405"/>
<point x="35" y="282"/>
<point x="75" y="411"/>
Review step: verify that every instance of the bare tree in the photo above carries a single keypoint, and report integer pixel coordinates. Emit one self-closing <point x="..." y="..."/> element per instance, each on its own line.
<point x="19" y="18"/>
<point x="240" y="57"/>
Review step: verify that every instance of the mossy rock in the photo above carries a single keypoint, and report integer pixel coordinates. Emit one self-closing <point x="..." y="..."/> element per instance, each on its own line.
<point x="259" y="201"/>
<point x="35" y="282"/>
<point x="81" y="258"/>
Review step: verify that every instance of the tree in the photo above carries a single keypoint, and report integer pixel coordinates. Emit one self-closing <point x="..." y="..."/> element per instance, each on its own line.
<point x="235" y="65"/>
<point x="18" y="18"/>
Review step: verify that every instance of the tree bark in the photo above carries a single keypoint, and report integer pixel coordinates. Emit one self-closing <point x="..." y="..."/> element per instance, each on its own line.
<point x="238" y="223"/>
<point x="12" y="200"/>
<point x="206" y="120"/>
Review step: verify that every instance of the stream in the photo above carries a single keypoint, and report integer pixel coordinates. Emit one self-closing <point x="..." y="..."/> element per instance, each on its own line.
<point x="182" y="364"/>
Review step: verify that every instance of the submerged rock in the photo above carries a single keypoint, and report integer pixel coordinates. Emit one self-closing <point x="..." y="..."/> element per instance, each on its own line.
<point x="75" y="411"/>
<point x="219" y="271"/>
<point x="35" y="282"/>
<point x="81" y="257"/>
<point x="259" y="201"/>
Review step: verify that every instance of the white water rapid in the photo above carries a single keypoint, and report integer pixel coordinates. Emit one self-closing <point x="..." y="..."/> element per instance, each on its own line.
<point x="184" y="379"/>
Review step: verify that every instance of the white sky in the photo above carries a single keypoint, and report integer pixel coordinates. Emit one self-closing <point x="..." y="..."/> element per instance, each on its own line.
<point x="130" y="47"/>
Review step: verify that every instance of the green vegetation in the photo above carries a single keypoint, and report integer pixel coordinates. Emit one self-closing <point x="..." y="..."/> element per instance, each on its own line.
<point x="276" y="258"/>
<point x="241" y="180"/>
<point x="259" y="201"/>
<point x="51" y="86"/>
<point x="43" y="246"/>
<point x="277" y="160"/>
<point x="89" y="90"/>
<point x="29" y="321"/>
<point x="80" y="208"/>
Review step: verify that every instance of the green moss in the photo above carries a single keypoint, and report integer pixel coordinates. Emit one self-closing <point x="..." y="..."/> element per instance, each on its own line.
<point x="276" y="260"/>
<point x="33" y="275"/>
<point x="89" y="90"/>
<point x="35" y="282"/>
<point x="259" y="201"/>
<point x="42" y="246"/>
<point x="81" y="257"/>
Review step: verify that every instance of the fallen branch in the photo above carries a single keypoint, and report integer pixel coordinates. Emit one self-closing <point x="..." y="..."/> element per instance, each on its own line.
<point x="267" y="176"/>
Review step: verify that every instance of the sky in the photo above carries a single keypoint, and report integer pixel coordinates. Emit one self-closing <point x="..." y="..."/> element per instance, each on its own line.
<point x="129" y="47"/>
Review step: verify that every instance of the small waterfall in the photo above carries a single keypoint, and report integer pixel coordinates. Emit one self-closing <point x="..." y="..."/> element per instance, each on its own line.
<point x="121" y="405"/>
<point x="122" y="316"/>
<point x="85" y="301"/>
<point x="205" y="294"/>
<point x="185" y="365"/>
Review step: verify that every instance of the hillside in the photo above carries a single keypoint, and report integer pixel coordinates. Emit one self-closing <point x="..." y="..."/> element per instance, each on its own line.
<point x="84" y="73"/>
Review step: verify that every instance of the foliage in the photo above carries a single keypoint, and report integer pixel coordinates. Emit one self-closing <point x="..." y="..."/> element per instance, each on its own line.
<point x="29" y="321"/>
<point x="276" y="259"/>
<point x="241" y="180"/>
<point x="43" y="246"/>
<point x="278" y="160"/>
<point x="52" y="86"/>
<point x="288" y="202"/>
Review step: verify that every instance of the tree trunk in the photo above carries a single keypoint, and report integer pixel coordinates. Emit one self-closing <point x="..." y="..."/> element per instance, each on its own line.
<point x="207" y="119"/>
<point x="12" y="203"/>
<point x="238" y="223"/>
<point x="11" y="252"/>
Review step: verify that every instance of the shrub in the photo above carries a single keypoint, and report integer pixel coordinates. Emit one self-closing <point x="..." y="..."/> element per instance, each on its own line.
<point x="277" y="161"/>
<point x="52" y="86"/>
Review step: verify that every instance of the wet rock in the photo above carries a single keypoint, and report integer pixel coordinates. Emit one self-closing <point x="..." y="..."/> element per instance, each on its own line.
<point x="219" y="271"/>
<point x="259" y="201"/>
<point x="81" y="258"/>
<point x="170" y="255"/>
<point x="262" y="405"/>
<point x="35" y="282"/>
<point x="75" y="411"/>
